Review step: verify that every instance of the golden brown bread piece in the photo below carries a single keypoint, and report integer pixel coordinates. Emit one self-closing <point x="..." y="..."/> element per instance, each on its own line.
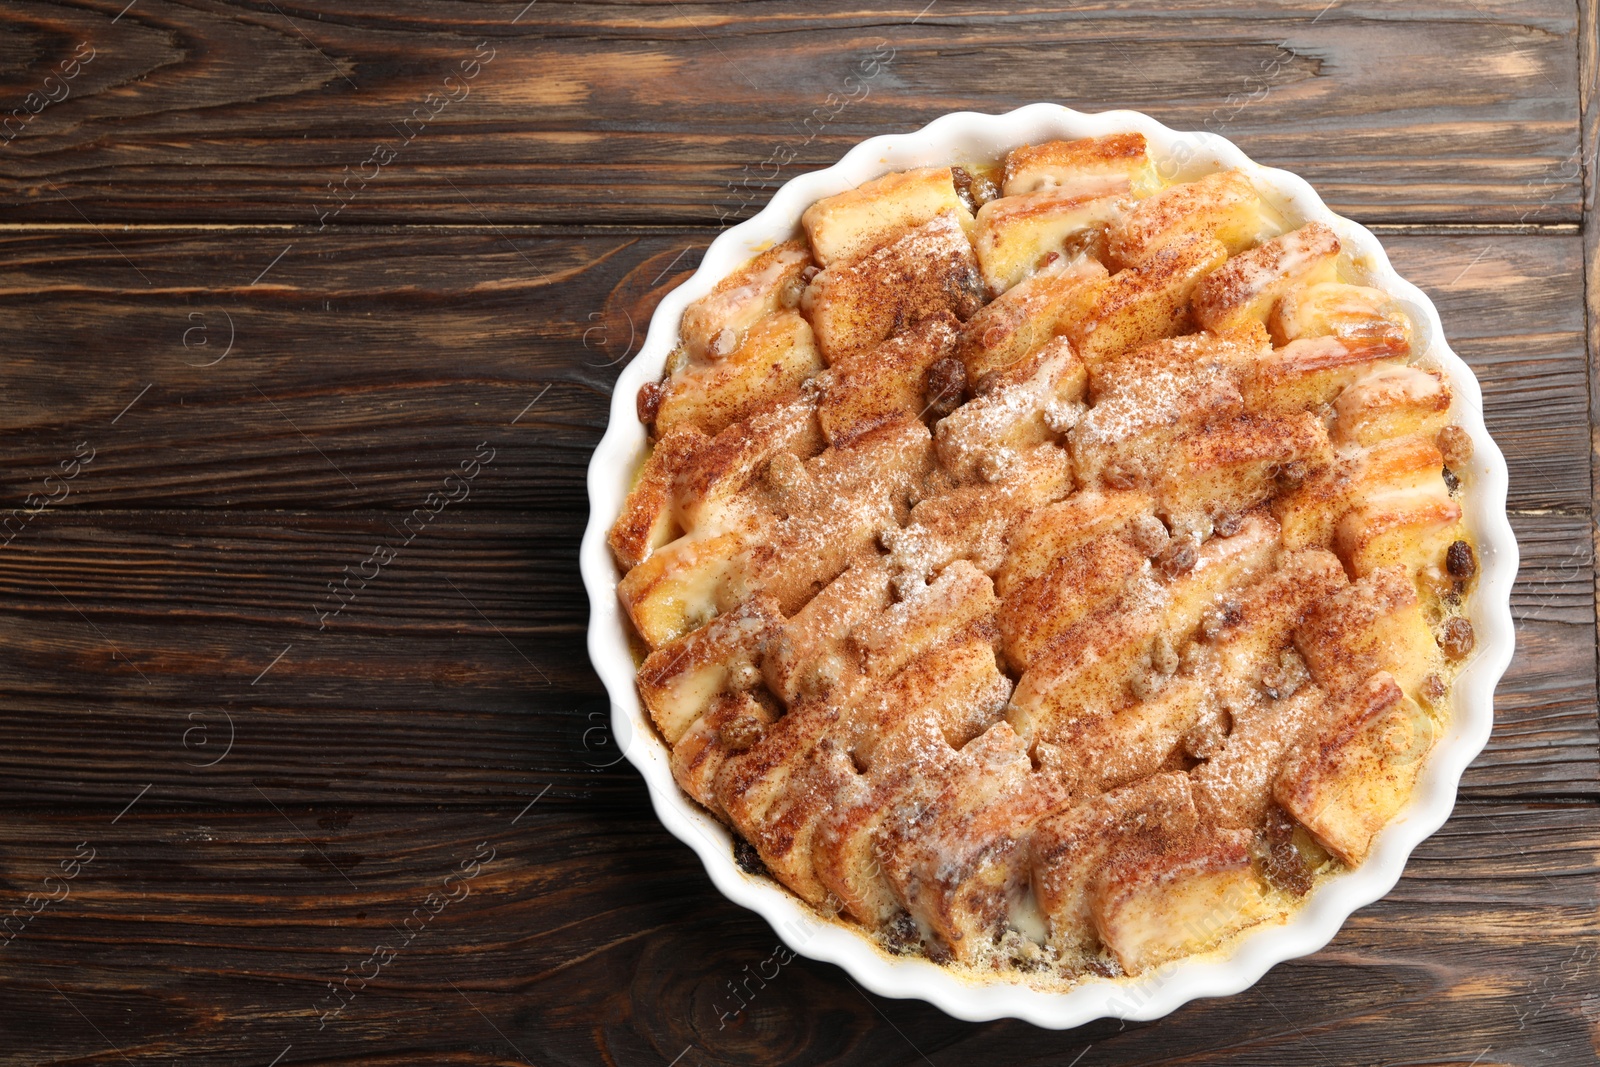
<point x="1392" y="402"/>
<point x="848" y="495"/>
<point x="648" y="518"/>
<point x="1233" y="466"/>
<point x="807" y="658"/>
<point x="1086" y="579"/>
<point x="923" y="273"/>
<point x="1354" y="770"/>
<point x="1313" y="371"/>
<point x="732" y="723"/>
<point x="1069" y="849"/>
<point x="1115" y="163"/>
<point x="843" y="228"/>
<point x="1024" y="319"/>
<point x="961" y="864"/>
<point x="1146" y="399"/>
<point x="773" y="358"/>
<point x="973" y="522"/>
<point x="1248" y="287"/>
<point x="1028" y="403"/>
<point x="1223" y="207"/>
<point x="1015" y="235"/>
<point x="1374" y="624"/>
<point x="1146" y="301"/>
<point x="716" y="324"/>
<point x="1338" y="309"/>
<point x="1167" y="893"/>
<point x="870" y="388"/>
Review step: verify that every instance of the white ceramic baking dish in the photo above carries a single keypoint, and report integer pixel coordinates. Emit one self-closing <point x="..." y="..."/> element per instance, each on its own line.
<point x="972" y="137"/>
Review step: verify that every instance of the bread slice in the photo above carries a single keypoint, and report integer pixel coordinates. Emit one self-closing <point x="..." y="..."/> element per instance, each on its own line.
<point x="1391" y="402"/>
<point x="845" y="227"/>
<point x="1248" y="287"/>
<point x="1338" y="309"/>
<point x="732" y="723"/>
<point x="716" y="324"/>
<point x="1024" y="318"/>
<point x="1223" y="206"/>
<point x="1350" y="776"/>
<point x="679" y="680"/>
<point x="1069" y="849"/>
<point x="887" y="382"/>
<point x="776" y="355"/>
<point x="920" y="274"/>
<point x="1374" y="624"/>
<point x="1164" y="894"/>
<point x="1015" y="235"/>
<point x="1114" y="164"/>
<point x="1146" y="301"/>
<point x="648" y="520"/>
<point x="1232" y="467"/>
<point x="1019" y="410"/>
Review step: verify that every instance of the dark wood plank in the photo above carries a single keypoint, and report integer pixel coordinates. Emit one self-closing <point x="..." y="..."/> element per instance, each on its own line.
<point x="365" y="365"/>
<point x="1461" y="111"/>
<point x="1589" y="102"/>
<point x="596" y="938"/>
<point x="1546" y="732"/>
<point x="1531" y="369"/>
<point x="139" y="643"/>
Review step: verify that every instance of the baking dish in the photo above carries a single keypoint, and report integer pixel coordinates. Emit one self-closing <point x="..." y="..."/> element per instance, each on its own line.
<point x="971" y="137"/>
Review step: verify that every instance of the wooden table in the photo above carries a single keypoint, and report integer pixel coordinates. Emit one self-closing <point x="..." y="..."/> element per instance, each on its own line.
<point x="272" y="272"/>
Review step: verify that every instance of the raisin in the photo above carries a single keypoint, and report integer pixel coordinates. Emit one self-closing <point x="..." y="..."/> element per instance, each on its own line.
<point x="1456" y="446"/>
<point x="739" y="733"/>
<point x="1121" y="474"/>
<point x="1146" y="683"/>
<point x="746" y="856"/>
<point x="1163" y="657"/>
<point x="946" y="382"/>
<point x="1286" y="868"/>
<point x="1451" y="482"/>
<point x="742" y="676"/>
<point x="1227" y="525"/>
<point x="1292" y="475"/>
<point x="793" y="289"/>
<point x="901" y="936"/>
<point x="1149" y="534"/>
<point x="784" y="474"/>
<point x="1286" y="678"/>
<point x="1178" y="557"/>
<point x="1459" y="560"/>
<point x="723" y="343"/>
<point x="1219" y="617"/>
<point x="1457" y="640"/>
<point x="962" y="179"/>
<point x="649" y="401"/>
<point x="974" y="189"/>
<point x="1434" y="690"/>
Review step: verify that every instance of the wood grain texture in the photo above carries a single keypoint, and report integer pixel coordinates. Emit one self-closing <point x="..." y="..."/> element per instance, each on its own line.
<point x="1462" y="111"/>
<point x="594" y="937"/>
<point x="365" y="365"/>
<point x="458" y="675"/>
<point x="275" y="357"/>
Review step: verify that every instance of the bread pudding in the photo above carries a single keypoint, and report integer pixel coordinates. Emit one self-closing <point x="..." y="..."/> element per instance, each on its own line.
<point x="1047" y="567"/>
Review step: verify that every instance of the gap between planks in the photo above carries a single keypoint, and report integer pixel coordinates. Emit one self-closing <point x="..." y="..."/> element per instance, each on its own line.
<point x="588" y="808"/>
<point x="1437" y="229"/>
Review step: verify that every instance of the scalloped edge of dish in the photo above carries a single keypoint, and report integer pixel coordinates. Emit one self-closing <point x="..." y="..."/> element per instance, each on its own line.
<point x="1240" y="962"/>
